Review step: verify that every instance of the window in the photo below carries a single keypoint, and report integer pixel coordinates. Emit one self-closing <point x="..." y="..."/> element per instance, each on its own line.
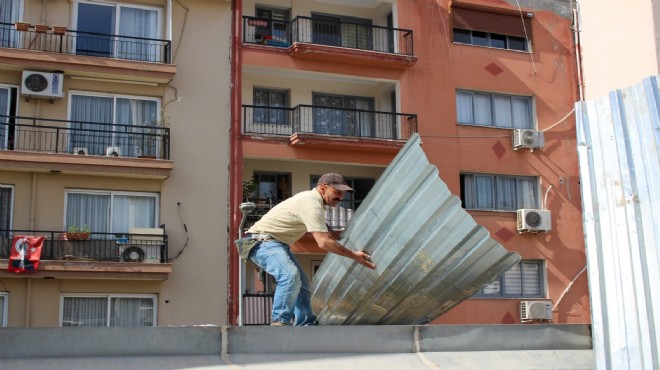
<point x="495" y="110"/>
<point x="111" y="212"/>
<point x="524" y="280"/>
<point x="108" y="310"/>
<point x="277" y="27"/>
<point x="6" y="209"/>
<point x="91" y="114"/>
<point x="348" y="32"/>
<point x="4" y="304"/>
<point x="10" y="12"/>
<point x="362" y="186"/>
<point x="499" y="192"/>
<point x="7" y="116"/>
<point x="497" y="30"/>
<point x="99" y="24"/>
<point x="278" y="103"/>
<point x="343" y="115"/>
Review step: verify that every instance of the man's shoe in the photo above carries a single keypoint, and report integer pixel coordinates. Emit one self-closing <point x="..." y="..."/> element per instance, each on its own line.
<point x="278" y="323"/>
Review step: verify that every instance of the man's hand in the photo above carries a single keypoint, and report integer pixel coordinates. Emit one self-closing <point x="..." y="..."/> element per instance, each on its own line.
<point x="363" y="259"/>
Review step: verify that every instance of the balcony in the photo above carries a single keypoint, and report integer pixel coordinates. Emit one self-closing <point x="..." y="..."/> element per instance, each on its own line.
<point x="333" y="40"/>
<point x="93" y="145"/>
<point x="333" y="122"/>
<point x="105" y="55"/>
<point x="101" y="253"/>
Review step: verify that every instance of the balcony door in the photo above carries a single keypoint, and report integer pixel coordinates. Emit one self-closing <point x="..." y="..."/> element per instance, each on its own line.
<point x="343" y="115"/>
<point x="103" y="124"/>
<point x="7" y="111"/>
<point x="277" y="26"/>
<point x="347" y="32"/>
<point x="6" y="209"/>
<point x="10" y="12"/>
<point x="118" y="31"/>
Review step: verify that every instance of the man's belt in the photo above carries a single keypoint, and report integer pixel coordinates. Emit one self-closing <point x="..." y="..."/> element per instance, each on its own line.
<point x="260" y="237"/>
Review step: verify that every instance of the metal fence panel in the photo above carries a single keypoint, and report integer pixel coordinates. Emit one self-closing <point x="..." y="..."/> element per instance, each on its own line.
<point x="429" y="253"/>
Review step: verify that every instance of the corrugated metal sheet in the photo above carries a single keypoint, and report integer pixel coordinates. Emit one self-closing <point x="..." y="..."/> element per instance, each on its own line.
<point x="429" y="253"/>
<point x="618" y="137"/>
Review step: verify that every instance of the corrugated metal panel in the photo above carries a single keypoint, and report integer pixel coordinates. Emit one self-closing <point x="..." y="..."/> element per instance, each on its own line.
<point x="429" y="253"/>
<point x="618" y="137"/>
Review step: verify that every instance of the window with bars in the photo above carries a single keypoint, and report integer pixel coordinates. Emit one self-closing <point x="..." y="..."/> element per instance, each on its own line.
<point x="495" y="110"/>
<point x="108" y="310"/>
<point x="524" y="280"/>
<point x="277" y="25"/>
<point x="498" y="192"/>
<point x="277" y="103"/>
<point x="490" y="28"/>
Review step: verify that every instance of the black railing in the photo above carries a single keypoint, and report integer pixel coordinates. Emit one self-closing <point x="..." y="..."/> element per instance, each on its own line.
<point x="81" y="137"/>
<point x="124" y="247"/>
<point x="331" y="121"/>
<point x="86" y="43"/>
<point x="326" y="31"/>
<point x="257" y="308"/>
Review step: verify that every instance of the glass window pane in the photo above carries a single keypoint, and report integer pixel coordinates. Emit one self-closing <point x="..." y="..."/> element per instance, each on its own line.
<point x="479" y="38"/>
<point x="84" y="311"/>
<point x="521" y="108"/>
<point x="482" y="109"/>
<point x="464" y="107"/>
<point x="142" y="23"/>
<point x="6" y="203"/>
<point x="527" y="194"/>
<point x="3" y="306"/>
<point x="90" y="116"/>
<point x="484" y="186"/>
<point x="531" y="278"/>
<point x="502" y="109"/>
<point x="506" y="193"/>
<point x="92" y="210"/>
<point x="133" y="211"/>
<point x="462" y="36"/>
<point x="131" y="311"/>
<point x="497" y="41"/>
<point x="95" y="28"/>
<point x="517" y="43"/>
<point x="493" y="288"/>
<point x="513" y="281"/>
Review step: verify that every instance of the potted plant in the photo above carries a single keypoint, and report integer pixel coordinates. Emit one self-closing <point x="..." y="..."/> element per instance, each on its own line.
<point x="76" y="233"/>
<point x="250" y="189"/>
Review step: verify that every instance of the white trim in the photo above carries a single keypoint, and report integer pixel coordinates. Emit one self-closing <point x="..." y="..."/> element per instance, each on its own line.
<point x="108" y="296"/>
<point x="4" y="308"/>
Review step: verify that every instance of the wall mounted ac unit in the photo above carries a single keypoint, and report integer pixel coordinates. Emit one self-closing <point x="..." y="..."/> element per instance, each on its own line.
<point x="535" y="310"/>
<point x="534" y="220"/>
<point x="150" y="240"/>
<point x="112" y="151"/>
<point x="132" y="253"/>
<point x="42" y="84"/>
<point x="80" y="150"/>
<point x="525" y="138"/>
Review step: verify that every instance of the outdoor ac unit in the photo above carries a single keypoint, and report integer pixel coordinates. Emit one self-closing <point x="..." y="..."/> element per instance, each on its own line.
<point x="132" y="253"/>
<point x="80" y="150"/>
<point x="534" y="220"/>
<point x="149" y="240"/>
<point x="535" y="310"/>
<point x="42" y="84"/>
<point x="525" y="138"/>
<point x="112" y="151"/>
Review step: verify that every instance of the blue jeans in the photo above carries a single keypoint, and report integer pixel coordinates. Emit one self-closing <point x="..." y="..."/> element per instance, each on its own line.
<point x="292" y="292"/>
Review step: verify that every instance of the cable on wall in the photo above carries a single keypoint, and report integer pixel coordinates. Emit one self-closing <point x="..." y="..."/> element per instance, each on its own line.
<point x="185" y="228"/>
<point x="522" y="19"/>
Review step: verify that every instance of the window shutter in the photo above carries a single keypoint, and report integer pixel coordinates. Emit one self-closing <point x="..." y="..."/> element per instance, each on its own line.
<point x="479" y="20"/>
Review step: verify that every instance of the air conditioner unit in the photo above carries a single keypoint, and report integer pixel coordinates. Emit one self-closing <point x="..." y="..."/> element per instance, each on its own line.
<point x="534" y="220"/>
<point x="535" y="310"/>
<point x="149" y="240"/>
<point x="42" y="84"/>
<point x="112" y="151"/>
<point x="525" y="138"/>
<point x="80" y="150"/>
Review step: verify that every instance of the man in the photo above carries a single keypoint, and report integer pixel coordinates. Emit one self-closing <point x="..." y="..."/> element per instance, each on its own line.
<point x="284" y="225"/>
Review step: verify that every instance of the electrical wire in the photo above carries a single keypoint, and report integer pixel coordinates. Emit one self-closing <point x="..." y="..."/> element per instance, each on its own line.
<point x="444" y="27"/>
<point x="568" y="288"/>
<point x="560" y="121"/>
<point x="185" y="228"/>
<point x="522" y="18"/>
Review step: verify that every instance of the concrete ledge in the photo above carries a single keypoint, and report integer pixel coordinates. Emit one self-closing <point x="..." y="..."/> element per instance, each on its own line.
<point x="115" y="341"/>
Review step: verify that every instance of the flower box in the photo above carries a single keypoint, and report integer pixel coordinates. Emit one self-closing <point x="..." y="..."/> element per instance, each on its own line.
<point x="58" y="30"/>
<point x="22" y="26"/>
<point x="41" y="28"/>
<point x="70" y="235"/>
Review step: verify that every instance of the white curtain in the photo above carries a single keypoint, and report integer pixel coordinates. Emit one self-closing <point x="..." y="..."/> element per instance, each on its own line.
<point x="133" y="211"/>
<point x="4" y="111"/>
<point x="464" y="107"/>
<point x="136" y="141"/>
<point x="92" y="210"/>
<point x="96" y="109"/>
<point x="506" y="193"/>
<point x="6" y="201"/>
<point x="484" y="186"/>
<point x="143" y="23"/>
<point x="521" y="108"/>
<point x="85" y="311"/>
<point x="527" y="194"/>
<point x="93" y="311"/>
<point x="482" y="110"/>
<point x="131" y="311"/>
<point x="502" y="107"/>
<point x="9" y="13"/>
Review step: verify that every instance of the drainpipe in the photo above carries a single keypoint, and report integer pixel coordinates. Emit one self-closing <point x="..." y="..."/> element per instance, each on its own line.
<point x="235" y="167"/>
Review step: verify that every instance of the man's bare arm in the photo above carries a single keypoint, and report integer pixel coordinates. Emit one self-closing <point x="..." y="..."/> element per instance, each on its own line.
<point x="326" y="242"/>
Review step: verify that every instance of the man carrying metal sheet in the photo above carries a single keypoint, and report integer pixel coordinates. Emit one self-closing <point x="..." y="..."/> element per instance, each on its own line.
<point x="267" y="245"/>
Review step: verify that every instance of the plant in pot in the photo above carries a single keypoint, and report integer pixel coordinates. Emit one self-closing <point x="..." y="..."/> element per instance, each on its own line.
<point x="250" y="189"/>
<point x="152" y="138"/>
<point x="78" y="233"/>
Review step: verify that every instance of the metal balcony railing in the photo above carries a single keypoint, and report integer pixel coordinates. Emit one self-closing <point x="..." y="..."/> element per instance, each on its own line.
<point x="80" y="137"/>
<point x="86" y="43"/>
<point x="331" y="121"/>
<point x="108" y="247"/>
<point x="257" y="308"/>
<point x="326" y="31"/>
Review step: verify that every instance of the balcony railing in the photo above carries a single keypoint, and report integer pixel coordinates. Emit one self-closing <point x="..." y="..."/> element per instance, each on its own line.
<point x="257" y="308"/>
<point x="80" y="137"/>
<point x="322" y="31"/>
<point x="87" y="43"/>
<point x="107" y="247"/>
<point x="331" y="121"/>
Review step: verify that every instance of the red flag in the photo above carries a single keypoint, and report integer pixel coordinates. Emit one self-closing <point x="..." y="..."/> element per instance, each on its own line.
<point x="25" y="253"/>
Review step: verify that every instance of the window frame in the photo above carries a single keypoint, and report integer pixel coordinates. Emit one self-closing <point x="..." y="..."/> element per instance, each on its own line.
<point x="10" y="210"/>
<point x="109" y="296"/>
<point x="496" y="191"/>
<point x="508" y="39"/>
<point x="271" y="30"/>
<point x="285" y="109"/>
<point x="531" y="109"/>
<point x="4" y="308"/>
<point x="542" y="277"/>
<point x="112" y="194"/>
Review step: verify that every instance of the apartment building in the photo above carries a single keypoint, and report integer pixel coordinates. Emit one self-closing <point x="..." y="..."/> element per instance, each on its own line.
<point x="114" y="118"/>
<point x="489" y="86"/>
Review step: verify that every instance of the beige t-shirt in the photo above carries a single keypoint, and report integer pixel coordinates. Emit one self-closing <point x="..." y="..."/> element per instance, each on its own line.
<point x="291" y="219"/>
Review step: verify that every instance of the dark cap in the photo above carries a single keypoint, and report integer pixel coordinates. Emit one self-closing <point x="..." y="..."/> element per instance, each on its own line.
<point x="335" y="180"/>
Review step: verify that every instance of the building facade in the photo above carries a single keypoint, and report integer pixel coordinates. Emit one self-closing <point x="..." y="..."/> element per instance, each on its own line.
<point x="114" y="119"/>
<point x="489" y="86"/>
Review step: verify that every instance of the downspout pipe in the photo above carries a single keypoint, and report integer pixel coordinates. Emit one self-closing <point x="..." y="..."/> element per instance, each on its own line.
<point x="235" y="165"/>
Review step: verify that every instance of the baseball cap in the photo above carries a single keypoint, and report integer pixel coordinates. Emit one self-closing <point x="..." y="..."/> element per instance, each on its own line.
<point x="335" y="180"/>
